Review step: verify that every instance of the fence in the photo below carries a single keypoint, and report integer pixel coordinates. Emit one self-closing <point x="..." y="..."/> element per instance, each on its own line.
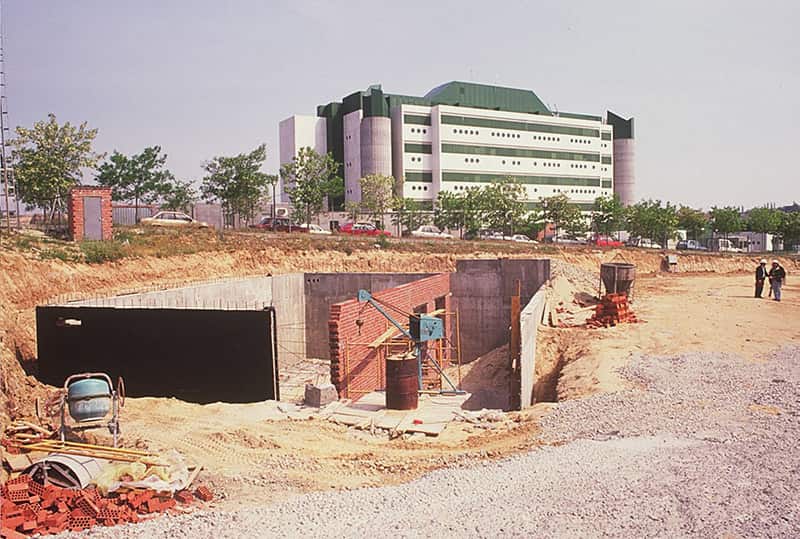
<point x="125" y="214"/>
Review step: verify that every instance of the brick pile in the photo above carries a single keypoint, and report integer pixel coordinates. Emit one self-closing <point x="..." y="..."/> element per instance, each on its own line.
<point x="357" y="369"/>
<point x="28" y="508"/>
<point x="613" y="309"/>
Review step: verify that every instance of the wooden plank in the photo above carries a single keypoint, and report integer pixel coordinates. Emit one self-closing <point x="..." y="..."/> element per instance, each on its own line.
<point x="16" y="463"/>
<point x="385" y="336"/>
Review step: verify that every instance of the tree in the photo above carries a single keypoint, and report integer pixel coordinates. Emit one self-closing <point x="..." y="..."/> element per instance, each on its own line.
<point x="48" y="160"/>
<point x="376" y="194"/>
<point x="408" y="214"/>
<point x="237" y="182"/>
<point x="503" y="205"/>
<point x="178" y="195"/>
<point x="309" y="178"/>
<point x="725" y="220"/>
<point x="650" y="219"/>
<point x="139" y="178"/>
<point x="692" y="221"/>
<point x="448" y="211"/>
<point x="764" y="220"/>
<point x="558" y="210"/>
<point x="789" y="229"/>
<point x="608" y="215"/>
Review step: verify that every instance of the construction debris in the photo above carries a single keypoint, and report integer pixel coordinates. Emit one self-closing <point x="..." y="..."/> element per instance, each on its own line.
<point x="613" y="309"/>
<point x="321" y="395"/>
<point x="30" y="508"/>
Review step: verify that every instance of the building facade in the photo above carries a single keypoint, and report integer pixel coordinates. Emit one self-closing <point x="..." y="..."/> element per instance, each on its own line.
<point x="462" y="135"/>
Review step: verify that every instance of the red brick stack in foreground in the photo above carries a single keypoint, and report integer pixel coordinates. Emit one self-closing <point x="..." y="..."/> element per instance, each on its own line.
<point x="613" y="309"/>
<point x="29" y="508"/>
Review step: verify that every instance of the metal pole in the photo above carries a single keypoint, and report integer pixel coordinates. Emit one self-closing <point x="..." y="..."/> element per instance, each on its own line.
<point x="3" y="160"/>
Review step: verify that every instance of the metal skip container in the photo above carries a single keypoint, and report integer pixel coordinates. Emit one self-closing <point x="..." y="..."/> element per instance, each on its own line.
<point x="402" y="383"/>
<point x="618" y="277"/>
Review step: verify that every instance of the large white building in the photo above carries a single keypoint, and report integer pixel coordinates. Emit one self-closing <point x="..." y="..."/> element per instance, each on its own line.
<point x="463" y="134"/>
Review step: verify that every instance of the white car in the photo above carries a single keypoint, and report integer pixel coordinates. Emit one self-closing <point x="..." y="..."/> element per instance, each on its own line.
<point x="430" y="231"/>
<point x="316" y="229"/>
<point x="522" y="238"/>
<point x="172" y="218"/>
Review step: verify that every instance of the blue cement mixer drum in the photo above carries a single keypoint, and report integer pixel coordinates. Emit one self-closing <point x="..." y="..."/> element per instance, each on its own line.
<point x="89" y="399"/>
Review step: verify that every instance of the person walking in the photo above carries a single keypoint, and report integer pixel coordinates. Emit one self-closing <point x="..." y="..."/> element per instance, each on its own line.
<point x="777" y="276"/>
<point x="761" y="276"/>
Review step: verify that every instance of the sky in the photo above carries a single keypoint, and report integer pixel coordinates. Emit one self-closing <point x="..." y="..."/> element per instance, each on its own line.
<point x="714" y="86"/>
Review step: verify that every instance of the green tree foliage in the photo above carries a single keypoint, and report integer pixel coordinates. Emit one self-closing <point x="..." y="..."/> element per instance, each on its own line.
<point x="692" y="221"/>
<point x="237" y="182"/>
<point x="503" y="205"/>
<point x="376" y="194"/>
<point x="608" y="215"/>
<point x="558" y="210"/>
<point x="764" y="220"/>
<point x="449" y="211"/>
<point x="726" y="220"/>
<point x="789" y="229"/>
<point x="49" y="159"/>
<point x="408" y="214"/>
<point x="309" y="178"/>
<point x="141" y="177"/>
<point x="652" y="219"/>
<point x="178" y="195"/>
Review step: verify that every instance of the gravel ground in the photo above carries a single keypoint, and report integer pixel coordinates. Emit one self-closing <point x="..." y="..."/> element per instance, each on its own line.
<point x="707" y="448"/>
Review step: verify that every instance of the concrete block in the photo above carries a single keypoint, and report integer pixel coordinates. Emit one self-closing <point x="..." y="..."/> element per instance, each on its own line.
<point x="321" y="395"/>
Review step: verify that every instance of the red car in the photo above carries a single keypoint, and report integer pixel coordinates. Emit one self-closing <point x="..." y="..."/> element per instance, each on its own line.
<point x="278" y="224"/>
<point x="605" y="241"/>
<point x="363" y="229"/>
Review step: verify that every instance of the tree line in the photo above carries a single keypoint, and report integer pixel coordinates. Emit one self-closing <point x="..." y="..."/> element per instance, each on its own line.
<point x="49" y="158"/>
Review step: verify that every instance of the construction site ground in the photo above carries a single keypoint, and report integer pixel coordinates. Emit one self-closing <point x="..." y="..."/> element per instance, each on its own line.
<point x="249" y="458"/>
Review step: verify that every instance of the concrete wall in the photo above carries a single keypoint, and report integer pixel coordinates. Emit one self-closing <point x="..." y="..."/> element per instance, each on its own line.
<point x="530" y="317"/>
<point x="288" y="300"/>
<point x="324" y="289"/>
<point x="482" y="291"/>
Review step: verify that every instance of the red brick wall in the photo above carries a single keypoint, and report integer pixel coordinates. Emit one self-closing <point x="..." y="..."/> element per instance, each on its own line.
<point x="75" y="207"/>
<point x="357" y="369"/>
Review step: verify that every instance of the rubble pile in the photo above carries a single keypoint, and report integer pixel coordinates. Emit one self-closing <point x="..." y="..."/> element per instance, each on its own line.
<point x="613" y="309"/>
<point x="29" y="508"/>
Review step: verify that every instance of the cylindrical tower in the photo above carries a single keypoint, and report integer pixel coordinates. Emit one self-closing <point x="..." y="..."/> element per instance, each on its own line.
<point x="624" y="157"/>
<point x="376" y="145"/>
<point x="624" y="175"/>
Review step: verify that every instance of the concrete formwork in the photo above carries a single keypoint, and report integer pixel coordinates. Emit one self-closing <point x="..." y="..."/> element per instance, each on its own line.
<point x="482" y="291"/>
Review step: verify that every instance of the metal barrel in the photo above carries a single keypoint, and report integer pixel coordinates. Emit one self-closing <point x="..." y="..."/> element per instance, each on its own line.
<point x="617" y="277"/>
<point x="402" y="383"/>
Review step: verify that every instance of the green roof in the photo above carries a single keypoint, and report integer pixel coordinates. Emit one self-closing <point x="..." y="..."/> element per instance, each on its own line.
<point x="483" y="96"/>
<point x="456" y="93"/>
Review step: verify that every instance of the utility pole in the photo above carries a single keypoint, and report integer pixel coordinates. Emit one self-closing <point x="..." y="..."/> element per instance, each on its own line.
<point x="9" y="192"/>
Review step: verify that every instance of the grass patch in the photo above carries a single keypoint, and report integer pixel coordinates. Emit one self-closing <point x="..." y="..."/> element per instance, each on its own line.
<point x="57" y="254"/>
<point x="97" y="252"/>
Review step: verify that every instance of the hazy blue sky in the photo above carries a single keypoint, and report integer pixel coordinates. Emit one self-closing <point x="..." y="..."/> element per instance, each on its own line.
<point x="714" y="85"/>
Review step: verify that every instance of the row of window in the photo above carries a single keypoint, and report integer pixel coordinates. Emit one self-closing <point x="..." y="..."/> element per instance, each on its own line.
<point x="418" y="120"/>
<point x="466" y="132"/>
<point x="519" y="126"/>
<point x="580" y="141"/>
<point x="419" y="187"/>
<point x="412" y="147"/>
<point x="580" y="165"/>
<point x="468" y="177"/>
<point x="419" y="130"/>
<point x="519" y="152"/>
<point x="416" y="159"/>
<point x="471" y="160"/>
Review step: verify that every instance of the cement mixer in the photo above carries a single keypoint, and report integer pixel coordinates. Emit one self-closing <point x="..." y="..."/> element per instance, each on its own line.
<point x="617" y="278"/>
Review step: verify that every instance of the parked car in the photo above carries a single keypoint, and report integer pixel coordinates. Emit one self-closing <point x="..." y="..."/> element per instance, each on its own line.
<point x="690" y="245"/>
<point x="172" y="218"/>
<point x="278" y="224"/>
<point x="522" y="238"/>
<point x="316" y="229"/>
<point x="363" y="229"/>
<point x="645" y="243"/>
<point x="605" y="241"/>
<point x="430" y="231"/>
<point x="565" y="239"/>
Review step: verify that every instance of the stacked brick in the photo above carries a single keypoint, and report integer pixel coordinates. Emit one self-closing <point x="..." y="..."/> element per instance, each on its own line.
<point x="29" y="508"/>
<point x="358" y="369"/>
<point x="76" y="214"/>
<point x="613" y="309"/>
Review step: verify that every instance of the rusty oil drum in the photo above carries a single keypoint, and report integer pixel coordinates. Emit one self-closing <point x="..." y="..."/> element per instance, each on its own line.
<point x="402" y="383"/>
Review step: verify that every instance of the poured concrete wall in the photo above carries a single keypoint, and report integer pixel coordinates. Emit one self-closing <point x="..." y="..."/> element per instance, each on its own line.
<point x="324" y="289"/>
<point x="530" y="317"/>
<point x="482" y="291"/>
